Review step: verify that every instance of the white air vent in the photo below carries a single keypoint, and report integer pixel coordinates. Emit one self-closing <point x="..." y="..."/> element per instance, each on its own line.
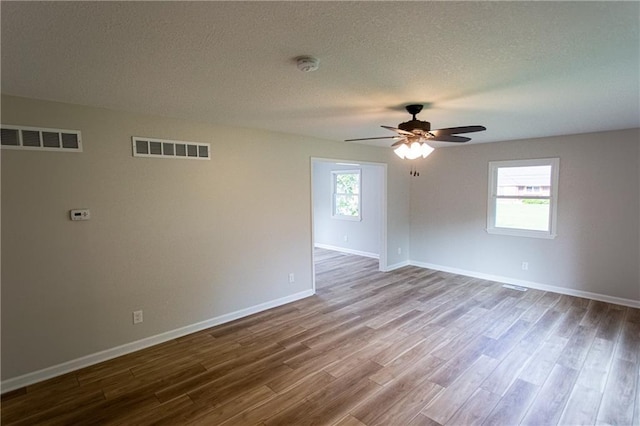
<point x="162" y="148"/>
<point x="40" y="138"/>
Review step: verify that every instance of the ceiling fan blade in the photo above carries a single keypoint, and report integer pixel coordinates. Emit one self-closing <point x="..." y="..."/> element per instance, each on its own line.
<point x="400" y="142"/>
<point x="398" y="131"/>
<point x="366" y="139"/>
<point x="450" y="138"/>
<point x="454" y="130"/>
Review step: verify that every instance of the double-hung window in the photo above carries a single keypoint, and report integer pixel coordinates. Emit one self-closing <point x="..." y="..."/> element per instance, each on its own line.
<point x="346" y="194"/>
<point x="523" y="197"/>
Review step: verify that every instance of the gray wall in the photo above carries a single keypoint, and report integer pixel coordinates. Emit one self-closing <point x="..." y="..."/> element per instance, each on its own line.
<point x="185" y="241"/>
<point x="362" y="236"/>
<point x="597" y="246"/>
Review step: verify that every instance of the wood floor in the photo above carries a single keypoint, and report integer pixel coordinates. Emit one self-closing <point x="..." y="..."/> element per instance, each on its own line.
<point x="410" y="347"/>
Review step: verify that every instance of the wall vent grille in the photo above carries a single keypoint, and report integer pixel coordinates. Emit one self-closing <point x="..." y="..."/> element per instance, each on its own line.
<point x="163" y="148"/>
<point x="40" y="138"/>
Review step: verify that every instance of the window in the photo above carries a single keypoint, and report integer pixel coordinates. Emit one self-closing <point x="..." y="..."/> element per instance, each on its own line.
<point x="523" y="197"/>
<point x="346" y="194"/>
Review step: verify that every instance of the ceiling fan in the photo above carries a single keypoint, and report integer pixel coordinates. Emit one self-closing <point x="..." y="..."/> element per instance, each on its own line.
<point x="413" y="136"/>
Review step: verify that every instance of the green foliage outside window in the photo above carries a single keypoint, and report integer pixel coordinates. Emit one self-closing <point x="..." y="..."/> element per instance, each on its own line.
<point x="347" y="194"/>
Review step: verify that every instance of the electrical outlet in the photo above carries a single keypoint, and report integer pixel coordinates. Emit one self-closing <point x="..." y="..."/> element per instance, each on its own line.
<point x="137" y="317"/>
<point x="399" y="250"/>
<point x="345" y="238"/>
<point x="292" y="278"/>
<point x="525" y="266"/>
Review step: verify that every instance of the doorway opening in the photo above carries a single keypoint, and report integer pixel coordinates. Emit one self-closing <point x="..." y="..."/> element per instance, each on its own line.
<point x="349" y="208"/>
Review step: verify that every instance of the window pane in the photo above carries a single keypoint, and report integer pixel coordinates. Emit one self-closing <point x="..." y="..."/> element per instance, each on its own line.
<point x="527" y="181"/>
<point x="347" y="205"/>
<point x="347" y="183"/>
<point x="531" y="214"/>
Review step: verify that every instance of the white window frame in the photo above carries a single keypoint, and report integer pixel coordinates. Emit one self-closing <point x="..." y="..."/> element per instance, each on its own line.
<point x="334" y="194"/>
<point x="493" y="197"/>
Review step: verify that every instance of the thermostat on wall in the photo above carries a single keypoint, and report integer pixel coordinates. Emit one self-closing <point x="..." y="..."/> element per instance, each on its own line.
<point x="80" y="214"/>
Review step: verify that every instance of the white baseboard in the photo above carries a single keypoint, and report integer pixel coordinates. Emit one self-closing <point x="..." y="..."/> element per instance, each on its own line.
<point x="531" y="284"/>
<point x="348" y="251"/>
<point x="395" y="266"/>
<point x="85" y="361"/>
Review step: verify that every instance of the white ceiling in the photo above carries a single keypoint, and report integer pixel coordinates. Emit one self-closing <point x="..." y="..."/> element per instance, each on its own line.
<point x="522" y="69"/>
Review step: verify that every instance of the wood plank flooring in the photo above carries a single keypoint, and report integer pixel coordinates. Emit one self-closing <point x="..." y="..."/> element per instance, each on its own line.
<point x="409" y="347"/>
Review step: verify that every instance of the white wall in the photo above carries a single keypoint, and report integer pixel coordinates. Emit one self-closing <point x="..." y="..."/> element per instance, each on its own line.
<point x="363" y="236"/>
<point x="598" y="240"/>
<point x="185" y="241"/>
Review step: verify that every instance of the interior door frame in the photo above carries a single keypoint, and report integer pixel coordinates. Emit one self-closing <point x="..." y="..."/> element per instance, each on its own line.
<point x="382" y="258"/>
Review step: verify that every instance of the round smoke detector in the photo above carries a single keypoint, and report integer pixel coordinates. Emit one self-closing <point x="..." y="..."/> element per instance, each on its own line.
<point x="307" y="63"/>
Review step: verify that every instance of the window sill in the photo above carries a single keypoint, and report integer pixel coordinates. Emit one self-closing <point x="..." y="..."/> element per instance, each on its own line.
<point x="522" y="233"/>
<point x="351" y="218"/>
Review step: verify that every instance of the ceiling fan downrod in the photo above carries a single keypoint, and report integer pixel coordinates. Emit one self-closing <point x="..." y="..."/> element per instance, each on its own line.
<point x="414" y="110"/>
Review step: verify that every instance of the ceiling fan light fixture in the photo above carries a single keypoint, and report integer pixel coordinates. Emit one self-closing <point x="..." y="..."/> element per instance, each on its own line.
<point x="401" y="151"/>
<point x="413" y="150"/>
<point x="426" y="150"/>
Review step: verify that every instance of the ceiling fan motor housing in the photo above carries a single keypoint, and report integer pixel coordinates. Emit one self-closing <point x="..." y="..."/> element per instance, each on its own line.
<point x="410" y="126"/>
<point x="415" y="124"/>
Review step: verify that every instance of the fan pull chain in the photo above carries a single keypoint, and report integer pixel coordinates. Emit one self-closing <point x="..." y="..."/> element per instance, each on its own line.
<point x="414" y="172"/>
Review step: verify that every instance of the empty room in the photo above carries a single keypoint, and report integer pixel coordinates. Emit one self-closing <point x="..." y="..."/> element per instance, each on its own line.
<point x="320" y="213"/>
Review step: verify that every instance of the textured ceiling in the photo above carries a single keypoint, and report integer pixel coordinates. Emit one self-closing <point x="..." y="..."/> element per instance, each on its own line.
<point x="522" y="69"/>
